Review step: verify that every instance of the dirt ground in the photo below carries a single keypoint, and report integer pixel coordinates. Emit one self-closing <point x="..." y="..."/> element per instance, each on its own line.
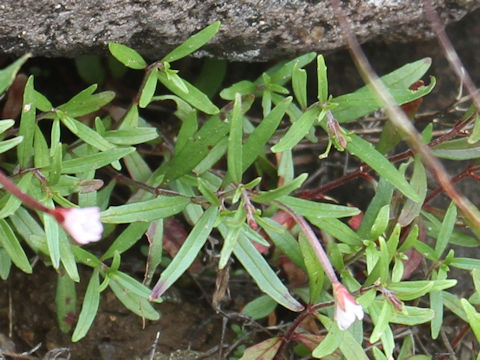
<point x="189" y="327"/>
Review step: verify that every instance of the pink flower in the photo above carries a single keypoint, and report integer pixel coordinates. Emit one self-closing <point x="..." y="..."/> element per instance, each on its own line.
<point x="346" y="308"/>
<point x="82" y="224"/>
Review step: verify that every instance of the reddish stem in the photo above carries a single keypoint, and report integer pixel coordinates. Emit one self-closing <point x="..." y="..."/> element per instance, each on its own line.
<point x="11" y="187"/>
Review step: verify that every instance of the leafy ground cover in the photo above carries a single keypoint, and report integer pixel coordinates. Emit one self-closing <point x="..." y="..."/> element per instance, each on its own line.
<point x="211" y="194"/>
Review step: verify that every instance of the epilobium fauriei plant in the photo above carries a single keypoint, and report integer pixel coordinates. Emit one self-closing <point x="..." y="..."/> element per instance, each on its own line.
<point x="255" y="217"/>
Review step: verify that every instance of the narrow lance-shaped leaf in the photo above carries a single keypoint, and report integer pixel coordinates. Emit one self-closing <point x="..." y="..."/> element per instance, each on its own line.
<point x="89" y="310"/>
<point x="411" y="209"/>
<point x="132" y="301"/>
<point x="446" y="229"/>
<point x="27" y="124"/>
<point x="127" y="56"/>
<point x="193" y="96"/>
<point x="193" y="43"/>
<point x="13" y="203"/>
<point x="94" y="161"/>
<point x="187" y="253"/>
<point x="66" y="301"/>
<point x="264" y="276"/>
<point x="255" y="144"/>
<point x="322" y="80"/>
<point x="10" y="243"/>
<point x="149" y="210"/>
<point x="67" y="257"/>
<point x="194" y="151"/>
<point x="234" y="155"/>
<point x="7" y="75"/>
<point x="148" y="88"/>
<point x="314" y="269"/>
<point x="330" y="343"/>
<point x="298" y="130"/>
<point x="314" y="209"/>
<point x="366" y="152"/>
<point x="269" y="196"/>
<point x="86" y="102"/>
<point x="299" y="84"/>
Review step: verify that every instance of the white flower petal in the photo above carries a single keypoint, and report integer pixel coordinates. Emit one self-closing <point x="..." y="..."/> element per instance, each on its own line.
<point x="83" y="224"/>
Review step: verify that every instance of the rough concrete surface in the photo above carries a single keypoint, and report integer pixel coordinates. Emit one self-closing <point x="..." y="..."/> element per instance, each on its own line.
<point x="251" y="30"/>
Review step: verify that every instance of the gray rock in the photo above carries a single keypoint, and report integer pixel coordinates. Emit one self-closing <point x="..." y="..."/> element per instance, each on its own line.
<point x="251" y="29"/>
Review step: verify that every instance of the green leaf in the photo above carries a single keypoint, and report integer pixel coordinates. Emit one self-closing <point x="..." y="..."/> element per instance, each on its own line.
<point x="409" y="290"/>
<point x="314" y="268"/>
<point x="381" y="222"/>
<point x="66" y="302"/>
<point x="411" y="209"/>
<point x="436" y="304"/>
<point x="155" y="241"/>
<point x="187" y="130"/>
<point x="88" y="135"/>
<point x="255" y="144"/>
<point x="67" y="257"/>
<point x="233" y="231"/>
<point x="299" y="84"/>
<point x="381" y="322"/>
<point x="5" y="264"/>
<point x="193" y="43"/>
<point x="473" y="317"/>
<point x="27" y="124"/>
<point x="458" y="149"/>
<point x="337" y="229"/>
<point x="465" y="263"/>
<point x="90" y="306"/>
<point x="10" y="143"/>
<point x="187" y="253"/>
<point x="195" y="151"/>
<point x="330" y="343"/>
<point x="7" y="75"/>
<point x="363" y="101"/>
<point x="10" y="243"/>
<point x="282" y="73"/>
<point x="127" y="56"/>
<point x="367" y="153"/>
<point x="13" y="203"/>
<point x="243" y="87"/>
<point x="269" y="196"/>
<point x="86" y="102"/>
<point x="298" y="130"/>
<point x="446" y="229"/>
<point x="95" y="161"/>
<point x="131" y="136"/>
<point x="129" y="283"/>
<point x="260" y="307"/>
<point x="161" y="207"/>
<point x="282" y="239"/>
<point x="148" y="88"/>
<point x="127" y="238"/>
<point x="133" y="302"/>
<point x="6" y="124"/>
<point x="193" y="96"/>
<point x="322" y="80"/>
<point x="234" y="150"/>
<point x="264" y="276"/>
<point x="382" y="197"/>
<point x="265" y="350"/>
<point x="312" y="209"/>
<point x="41" y="154"/>
<point x="52" y="233"/>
